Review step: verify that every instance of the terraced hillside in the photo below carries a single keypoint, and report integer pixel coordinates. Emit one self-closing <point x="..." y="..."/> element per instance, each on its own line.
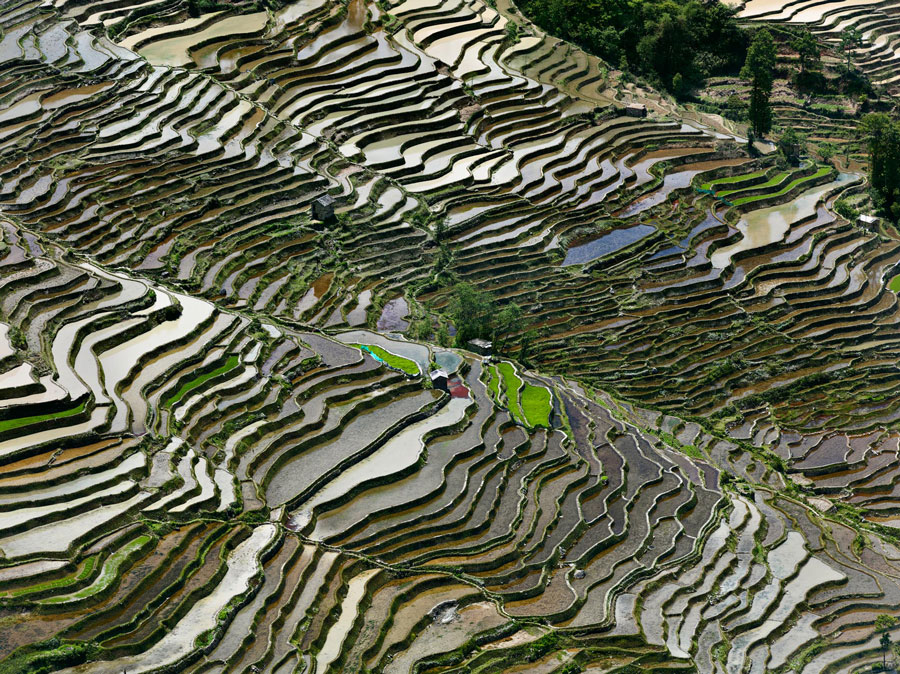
<point x="876" y="22"/>
<point x="219" y="454"/>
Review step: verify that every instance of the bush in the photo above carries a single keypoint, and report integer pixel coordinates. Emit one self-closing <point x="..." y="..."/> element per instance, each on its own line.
<point x="843" y="208"/>
<point x="735" y="108"/>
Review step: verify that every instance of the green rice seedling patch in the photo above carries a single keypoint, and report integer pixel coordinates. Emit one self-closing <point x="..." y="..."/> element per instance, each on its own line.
<point x="11" y="424"/>
<point x="511" y="383"/>
<point x="108" y="573"/>
<point x="895" y="284"/>
<point x="690" y="450"/>
<point x="494" y="383"/>
<point x="389" y="359"/>
<point x="189" y="386"/>
<point x="731" y="179"/>
<point x="536" y="405"/>
<point x="784" y="190"/>
<point x="772" y="182"/>
<point x="84" y="571"/>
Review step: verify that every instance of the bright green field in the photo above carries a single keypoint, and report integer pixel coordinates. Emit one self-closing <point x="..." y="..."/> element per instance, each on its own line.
<point x="731" y="179"/>
<point x="536" y="405"/>
<point x="10" y="424"/>
<point x="87" y="567"/>
<point x="108" y="573"/>
<point x="494" y="383"/>
<point x="391" y="360"/>
<point x="529" y="404"/>
<point x="511" y="383"/>
<point x="776" y="180"/>
<point x="895" y="284"/>
<point x="784" y="190"/>
<point x="189" y="386"/>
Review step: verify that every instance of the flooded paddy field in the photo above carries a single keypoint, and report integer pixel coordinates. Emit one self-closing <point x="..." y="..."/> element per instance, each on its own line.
<point x="234" y="437"/>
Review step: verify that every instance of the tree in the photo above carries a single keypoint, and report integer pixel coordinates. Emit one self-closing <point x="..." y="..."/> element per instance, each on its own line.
<point x="850" y="40"/>
<point x="473" y="313"/>
<point x="885" y="644"/>
<point x="443" y="335"/>
<point x="476" y="316"/>
<point x="525" y="350"/>
<point x="807" y="48"/>
<point x="884" y="622"/>
<point x="664" y="49"/>
<point x="790" y="145"/>
<point x="508" y="320"/>
<point x="759" y="69"/>
<point x="827" y="150"/>
<point x="882" y="135"/>
<point x="735" y="108"/>
<point x="660" y="38"/>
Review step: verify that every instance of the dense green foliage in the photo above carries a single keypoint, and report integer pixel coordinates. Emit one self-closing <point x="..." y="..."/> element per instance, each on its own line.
<point x="882" y="134"/>
<point x="197" y="8"/>
<point x="476" y="316"/>
<point x="851" y="38"/>
<point x="672" y="44"/>
<point x="807" y="49"/>
<point x="759" y="69"/>
<point x="791" y="145"/>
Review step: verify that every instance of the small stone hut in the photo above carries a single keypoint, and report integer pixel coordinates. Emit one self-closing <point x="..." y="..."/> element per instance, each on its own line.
<point x="440" y="380"/>
<point x="323" y="209"/>
<point x="636" y="110"/>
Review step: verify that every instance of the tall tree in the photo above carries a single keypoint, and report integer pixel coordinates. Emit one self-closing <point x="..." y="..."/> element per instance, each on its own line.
<point x="882" y="135"/>
<point x="807" y="48"/>
<point x="850" y="40"/>
<point x="759" y="69"/>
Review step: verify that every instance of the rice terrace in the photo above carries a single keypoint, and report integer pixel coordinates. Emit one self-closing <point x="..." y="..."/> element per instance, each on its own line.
<point x="449" y="336"/>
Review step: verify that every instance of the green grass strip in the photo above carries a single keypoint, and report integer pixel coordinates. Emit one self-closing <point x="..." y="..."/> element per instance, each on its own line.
<point x="189" y="386"/>
<point x="818" y="174"/>
<point x="85" y="570"/>
<point x="732" y="179"/>
<point x="777" y="180"/>
<point x="536" y="405"/>
<point x="494" y="383"/>
<point x="108" y="573"/>
<point x="895" y="284"/>
<point x="511" y="383"/>
<point x="390" y="359"/>
<point x="11" y="424"/>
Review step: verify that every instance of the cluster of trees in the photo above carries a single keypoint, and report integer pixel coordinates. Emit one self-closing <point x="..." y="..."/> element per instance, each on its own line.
<point x="791" y="145"/>
<point x="672" y="44"/>
<point x="759" y="70"/>
<point x="882" y="135"/>
<point x="198" y="8"/>
<point x="476" y="315"/>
